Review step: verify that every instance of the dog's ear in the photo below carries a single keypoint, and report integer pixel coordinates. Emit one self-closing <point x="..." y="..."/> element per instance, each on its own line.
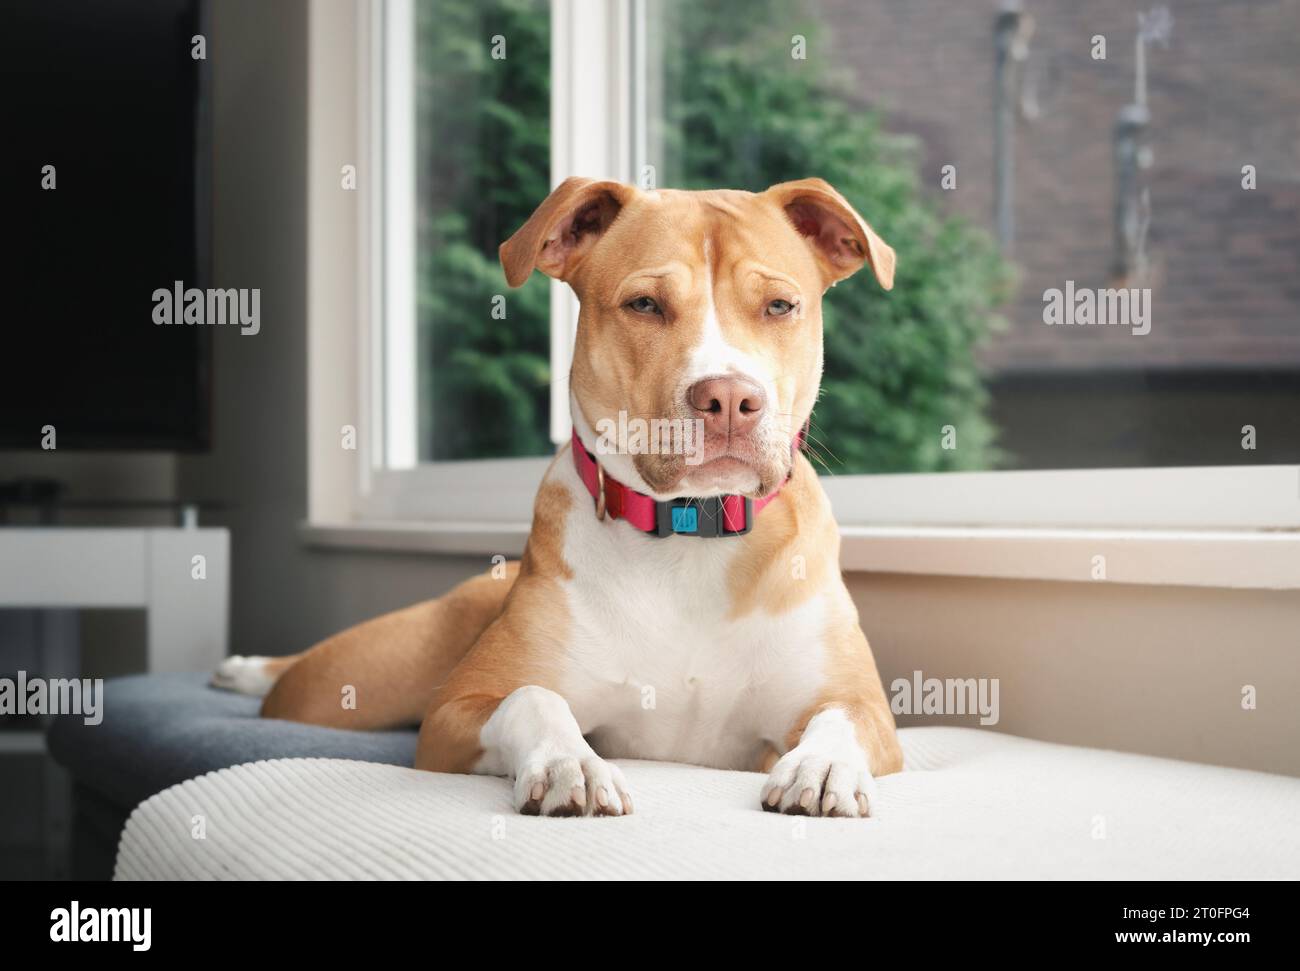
<point x="840" y="237"/>
<point x="563" y="229"/>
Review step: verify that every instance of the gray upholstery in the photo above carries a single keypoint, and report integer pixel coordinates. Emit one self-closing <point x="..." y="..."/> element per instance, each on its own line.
<point x="160" y="729"/>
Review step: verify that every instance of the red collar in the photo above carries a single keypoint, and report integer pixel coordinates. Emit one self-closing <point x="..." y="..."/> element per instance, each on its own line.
<point x="710" y="517"/>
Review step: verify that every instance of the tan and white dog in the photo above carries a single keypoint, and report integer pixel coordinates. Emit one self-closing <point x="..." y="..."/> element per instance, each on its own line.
<point x="614" y="637"/>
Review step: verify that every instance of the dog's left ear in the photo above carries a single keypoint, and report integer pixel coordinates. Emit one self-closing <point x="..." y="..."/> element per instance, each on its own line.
<point x="563" y="228"/>
<point x="840" y="237"/>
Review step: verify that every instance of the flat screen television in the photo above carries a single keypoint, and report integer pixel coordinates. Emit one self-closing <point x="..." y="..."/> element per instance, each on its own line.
<point x="111" y="96"/>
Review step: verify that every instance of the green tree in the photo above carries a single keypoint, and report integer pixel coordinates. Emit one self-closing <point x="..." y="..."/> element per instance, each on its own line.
<point x="483" y="164"/>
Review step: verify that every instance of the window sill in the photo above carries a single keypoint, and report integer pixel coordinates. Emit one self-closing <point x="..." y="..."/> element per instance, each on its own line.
<point x="402" y="536"/>
<point x="1242" y="559"/>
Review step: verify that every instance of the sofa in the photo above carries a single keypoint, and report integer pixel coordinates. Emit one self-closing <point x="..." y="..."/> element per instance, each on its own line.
<point x="182" y="781"/>
<point x="161" y="729"/>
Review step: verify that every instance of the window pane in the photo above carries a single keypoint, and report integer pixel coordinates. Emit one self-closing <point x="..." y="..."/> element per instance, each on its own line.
<point x="957" y="367"/>
<point x="482" y="108"/>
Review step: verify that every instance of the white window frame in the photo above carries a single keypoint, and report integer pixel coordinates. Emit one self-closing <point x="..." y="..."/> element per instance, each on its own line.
<point x="1011" y="524"/>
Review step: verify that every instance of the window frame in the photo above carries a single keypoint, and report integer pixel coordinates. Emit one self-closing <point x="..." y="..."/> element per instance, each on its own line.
<point x="597" y="56"/>
<point x="395" y="486"/>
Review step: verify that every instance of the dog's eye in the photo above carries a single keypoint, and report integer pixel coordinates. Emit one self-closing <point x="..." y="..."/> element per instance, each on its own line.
<point x="779" y="308"/>
<point x="645" y="305"/>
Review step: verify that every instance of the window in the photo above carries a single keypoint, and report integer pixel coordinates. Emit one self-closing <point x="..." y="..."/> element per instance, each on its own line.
<point x="466" y="111"/>
<point x="1017" y="159"/>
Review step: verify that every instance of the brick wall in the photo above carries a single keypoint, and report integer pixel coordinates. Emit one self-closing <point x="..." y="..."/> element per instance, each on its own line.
<point x="1224" y="93"/>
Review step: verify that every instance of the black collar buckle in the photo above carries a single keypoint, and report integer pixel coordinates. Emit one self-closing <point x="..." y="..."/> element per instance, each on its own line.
<point x="698" y="517"/>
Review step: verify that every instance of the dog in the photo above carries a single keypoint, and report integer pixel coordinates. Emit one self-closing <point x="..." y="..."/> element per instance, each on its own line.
<point x="667" y="607"/>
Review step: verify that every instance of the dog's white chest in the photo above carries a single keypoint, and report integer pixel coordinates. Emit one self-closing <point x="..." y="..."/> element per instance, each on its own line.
<point x="656" y="669"/>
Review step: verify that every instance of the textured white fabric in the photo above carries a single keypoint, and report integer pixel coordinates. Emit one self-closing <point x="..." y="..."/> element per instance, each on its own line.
<point x="971" y="804"/>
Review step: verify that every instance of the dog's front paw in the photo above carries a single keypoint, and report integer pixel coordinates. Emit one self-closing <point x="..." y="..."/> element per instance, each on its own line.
<point x="804" y="783"/>
<point x="574" y="786"/>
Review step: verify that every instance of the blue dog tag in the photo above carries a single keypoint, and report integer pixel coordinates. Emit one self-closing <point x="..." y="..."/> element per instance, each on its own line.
<point x="685" y="519"/>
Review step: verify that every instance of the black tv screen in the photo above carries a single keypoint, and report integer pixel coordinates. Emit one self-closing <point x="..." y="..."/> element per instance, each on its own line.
<point x="111" y="96"/>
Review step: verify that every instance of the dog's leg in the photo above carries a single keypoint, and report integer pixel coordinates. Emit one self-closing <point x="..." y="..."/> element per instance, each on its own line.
<point x="498" y="712"/>
<point x="381" y="673"/>
<point x="841" y="744"/>
<point x="531" y="735"/>
<point x="528" y="733"/>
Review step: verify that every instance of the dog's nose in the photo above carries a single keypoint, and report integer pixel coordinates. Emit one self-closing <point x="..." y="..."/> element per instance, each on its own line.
<point x="728" y="406"/>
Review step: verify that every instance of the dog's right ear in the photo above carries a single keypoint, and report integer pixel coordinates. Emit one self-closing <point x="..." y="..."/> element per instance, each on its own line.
<point x="563" y="228"/>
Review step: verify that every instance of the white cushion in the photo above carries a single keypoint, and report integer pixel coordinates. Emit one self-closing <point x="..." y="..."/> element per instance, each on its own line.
<point x="971" y="804"/>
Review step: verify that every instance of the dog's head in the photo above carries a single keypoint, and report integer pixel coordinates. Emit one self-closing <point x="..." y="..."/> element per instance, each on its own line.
<point x="700" y="308"/>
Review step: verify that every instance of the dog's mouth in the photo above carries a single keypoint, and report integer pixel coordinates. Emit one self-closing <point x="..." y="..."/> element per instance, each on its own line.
<point x="730" y="473"/>
<point x="724" y="474"/>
